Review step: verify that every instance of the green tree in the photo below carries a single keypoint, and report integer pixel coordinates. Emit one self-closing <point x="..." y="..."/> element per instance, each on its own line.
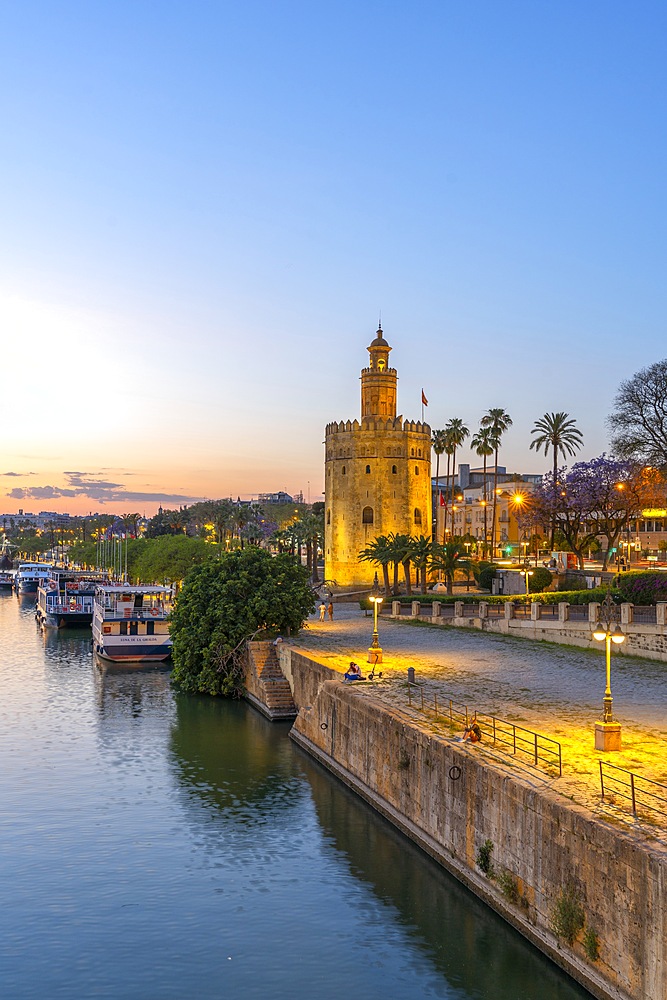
<point x="639" y="422"/>
<point x="380" y="553"/>
<point x="483" y="444"/>
<point x="498" y="421"/>
<point x="556" y="432"/>
<point x="438" y="443"/>
<point x="227" y="601"/>
<point x="166" y="559"/>
<point x="456" y="432"/>
<point x="421" y="549"/>
<point x="448" y="559"/>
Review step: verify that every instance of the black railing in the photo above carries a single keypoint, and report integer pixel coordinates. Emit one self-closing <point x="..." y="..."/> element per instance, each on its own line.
<point x="642" y="795"/>
<point x="532" y="747"/>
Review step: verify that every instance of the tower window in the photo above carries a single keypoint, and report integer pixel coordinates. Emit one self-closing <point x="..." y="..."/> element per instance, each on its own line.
<point x="394" y="470"/>
<point x="367" y="515"/>
<point x="343" y="470"/>
<point x="329" y="516"/>
<point x="412" y="452"/>
<point x="368" y="470"/>
<point x="381" y="364"/>
<point x="416" y="470"/>
<point x="418" y="516"/>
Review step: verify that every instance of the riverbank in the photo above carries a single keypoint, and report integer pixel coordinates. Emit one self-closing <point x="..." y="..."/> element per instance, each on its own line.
<point x="547" y="849"/>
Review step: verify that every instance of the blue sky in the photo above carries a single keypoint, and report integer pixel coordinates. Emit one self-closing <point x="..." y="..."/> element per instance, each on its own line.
<point x="205" y="206"/>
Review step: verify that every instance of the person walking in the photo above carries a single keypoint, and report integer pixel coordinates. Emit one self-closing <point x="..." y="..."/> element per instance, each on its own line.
<point x="323" y="611"/>
<point x="330" y="610"/>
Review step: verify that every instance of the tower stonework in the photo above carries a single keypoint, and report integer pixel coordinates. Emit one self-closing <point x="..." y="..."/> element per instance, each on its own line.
<point x="377" y="475"/>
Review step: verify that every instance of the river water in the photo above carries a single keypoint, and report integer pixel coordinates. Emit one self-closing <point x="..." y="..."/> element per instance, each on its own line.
<point x="157" y="846"/>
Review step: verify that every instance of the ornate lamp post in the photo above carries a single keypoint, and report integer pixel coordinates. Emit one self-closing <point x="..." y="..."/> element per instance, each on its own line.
<point x="608" y="732"/>
<point x="375" y="650"/>
<point x="526" y="573"/>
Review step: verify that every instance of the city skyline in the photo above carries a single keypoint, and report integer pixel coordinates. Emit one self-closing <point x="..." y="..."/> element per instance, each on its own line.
<point x="204" y="216"/>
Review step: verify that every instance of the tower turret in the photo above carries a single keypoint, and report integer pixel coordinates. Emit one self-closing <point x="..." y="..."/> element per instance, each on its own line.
<point x="378" y="381"/>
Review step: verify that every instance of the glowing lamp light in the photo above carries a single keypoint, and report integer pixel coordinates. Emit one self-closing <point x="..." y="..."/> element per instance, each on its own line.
<point x="375" y="597"/>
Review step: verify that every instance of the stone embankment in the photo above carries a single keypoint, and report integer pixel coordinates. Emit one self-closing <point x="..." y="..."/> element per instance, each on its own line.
<point x="546" y="856"/>
<point x="642" y="638"/>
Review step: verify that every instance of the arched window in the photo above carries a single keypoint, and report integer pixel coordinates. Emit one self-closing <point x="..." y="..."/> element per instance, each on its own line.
<point x="416" y="470"/>
<point x="418" y="516"/>
<point x="368" y="470"/>
<point x="394" y="470"/>
<point x="367" y="515"/>
<point x="343" y="470"/>
<point x="329" y="517"/>
<point x="412" y="452"/>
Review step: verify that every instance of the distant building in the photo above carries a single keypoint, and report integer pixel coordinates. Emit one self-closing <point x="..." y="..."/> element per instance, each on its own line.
<point x="377" y="475"/>
<point x="279" y="497"/>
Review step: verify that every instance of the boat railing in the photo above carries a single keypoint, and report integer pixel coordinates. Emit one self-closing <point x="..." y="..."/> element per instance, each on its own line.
<point x="128" y="612"/>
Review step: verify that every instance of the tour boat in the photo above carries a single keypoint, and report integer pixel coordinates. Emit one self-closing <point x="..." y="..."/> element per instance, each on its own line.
<point x="130" y="623"/>
<point x="29" y="575"/>
<point x="6" y="579"/>
<point x="66" y="598"/>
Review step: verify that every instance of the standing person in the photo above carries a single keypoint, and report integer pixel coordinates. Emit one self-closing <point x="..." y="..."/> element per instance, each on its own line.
<point x="330" y="610"/>
<point x="323" y="611"/>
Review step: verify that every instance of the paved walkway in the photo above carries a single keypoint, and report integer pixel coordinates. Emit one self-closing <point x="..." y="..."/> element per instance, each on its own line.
<point x="554" y="690"/>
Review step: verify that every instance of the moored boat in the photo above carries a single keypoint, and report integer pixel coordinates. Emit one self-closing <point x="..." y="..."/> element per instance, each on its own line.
<point x="130" y="623"/>
<point x="66" y="598"/>
<point x="6" y="579"/>
<point x="29" y="575"/>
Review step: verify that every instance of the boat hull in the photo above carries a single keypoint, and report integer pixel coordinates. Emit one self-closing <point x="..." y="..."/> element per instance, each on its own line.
<point x="141" y="652"/>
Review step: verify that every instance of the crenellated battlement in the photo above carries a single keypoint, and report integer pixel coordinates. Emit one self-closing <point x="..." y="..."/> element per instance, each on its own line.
<point x="391" y="424"/>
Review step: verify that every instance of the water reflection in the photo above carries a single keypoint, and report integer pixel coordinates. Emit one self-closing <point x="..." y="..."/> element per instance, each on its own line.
<point x="472" y="948"/>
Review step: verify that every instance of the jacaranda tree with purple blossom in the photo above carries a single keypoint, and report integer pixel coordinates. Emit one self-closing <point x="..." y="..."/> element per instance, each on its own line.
<point x="595" y="498"/>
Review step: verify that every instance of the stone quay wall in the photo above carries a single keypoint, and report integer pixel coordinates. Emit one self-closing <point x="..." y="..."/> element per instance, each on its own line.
<point x="451" y="799"/>
<point x="641" y="639"/>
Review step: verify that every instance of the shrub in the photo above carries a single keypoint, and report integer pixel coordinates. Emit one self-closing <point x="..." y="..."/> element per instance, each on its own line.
<point x="540" y="580"/>
<point x="508" y="886"/>
<point x="592" y="944"/>
<point x="484" y="860"/>
<point x="567" y="917"/>
<point x="485" y="577"/>
<point x="642" y="587"/>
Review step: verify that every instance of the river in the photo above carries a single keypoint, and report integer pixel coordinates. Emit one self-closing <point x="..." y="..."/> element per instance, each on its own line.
<point x="157" y="846"/>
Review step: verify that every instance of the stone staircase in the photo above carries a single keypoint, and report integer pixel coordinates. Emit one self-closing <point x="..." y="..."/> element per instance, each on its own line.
<point x="266" y="688"/>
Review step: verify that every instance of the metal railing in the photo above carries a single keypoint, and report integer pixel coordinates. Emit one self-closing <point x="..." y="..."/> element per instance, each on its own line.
<point x="643" y="795"/>
<point x="644" y="615"/>
<point x="532" y="747"/>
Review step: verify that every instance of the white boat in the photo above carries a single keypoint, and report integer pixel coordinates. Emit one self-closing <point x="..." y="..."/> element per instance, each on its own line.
<point x="130" y="623"/>
<point x="66" y="598"/>
<point x="29" y="575"/>
<point x="7" y="579"/>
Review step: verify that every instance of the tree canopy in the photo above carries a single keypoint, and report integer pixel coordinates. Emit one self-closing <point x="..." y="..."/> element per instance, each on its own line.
<point x="223" y="603"/>
<point x="639" y="422"/>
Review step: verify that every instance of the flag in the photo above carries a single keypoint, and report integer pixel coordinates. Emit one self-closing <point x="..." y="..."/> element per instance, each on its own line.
<point x="442" y="499"/>
<point x="424" y="399"/>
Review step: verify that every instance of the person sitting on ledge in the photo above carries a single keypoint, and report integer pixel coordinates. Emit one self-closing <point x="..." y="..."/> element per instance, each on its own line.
<point x="472" y="732"/>
<point x="353" y="673"/>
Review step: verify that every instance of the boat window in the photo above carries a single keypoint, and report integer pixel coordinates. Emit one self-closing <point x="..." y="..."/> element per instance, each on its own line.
<point x="134" y="628"/>
<point x="123" y="628"/>
<point x="150" y="628"/>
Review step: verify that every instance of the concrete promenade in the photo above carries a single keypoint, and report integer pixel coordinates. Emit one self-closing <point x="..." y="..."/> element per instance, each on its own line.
<point x="554" y="690"/>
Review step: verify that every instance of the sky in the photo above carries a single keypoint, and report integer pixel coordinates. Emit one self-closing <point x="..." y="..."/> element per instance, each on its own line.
<point x="206" y="206"/>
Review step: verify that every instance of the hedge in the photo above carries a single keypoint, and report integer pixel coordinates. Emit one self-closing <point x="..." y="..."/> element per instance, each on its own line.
<point x="597" y="594"/>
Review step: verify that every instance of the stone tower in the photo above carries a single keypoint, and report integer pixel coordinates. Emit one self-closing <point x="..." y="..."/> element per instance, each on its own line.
<point x="377" y="475"/>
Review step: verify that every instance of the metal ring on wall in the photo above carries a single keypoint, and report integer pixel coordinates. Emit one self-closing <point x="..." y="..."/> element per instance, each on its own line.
<point x="455" y="772"/>
<point x="324" y="725"/>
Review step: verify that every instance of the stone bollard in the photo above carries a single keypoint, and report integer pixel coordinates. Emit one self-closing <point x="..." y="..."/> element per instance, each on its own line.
<point x="483" y="609"/>
<point x="396" y="609"/>
<point x="435" y="609"/>
<point x="594" y="612"/>
<point x="508" y="610"/>
<point x="411" y="675"/>
<point x="660" y="609"/>
<point x="626" y="614"/>
<point x="458" y="609"/>
<point x="563" y="611"/>
<point x="416" y="609"/>
<point x="535" y="611"/>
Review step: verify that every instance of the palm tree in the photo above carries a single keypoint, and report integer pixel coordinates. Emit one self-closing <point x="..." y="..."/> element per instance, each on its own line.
<point x="447" y="559"/>
<point x="379" y="552"/>
<point x="401" y="553"/>
<point x="557" y="431"/>
<point x="450" y="448"/>
<point x="457" y="433"/>
<point x="421" y="553"/>
<point x="497" y="420"/>
<point x="483" y="444"/>
<point x="439" y="444"/>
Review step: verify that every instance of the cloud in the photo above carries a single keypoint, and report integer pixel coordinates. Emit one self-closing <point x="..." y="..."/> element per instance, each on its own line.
<point x="19" y="475"/>
<point x="83" y="484"/>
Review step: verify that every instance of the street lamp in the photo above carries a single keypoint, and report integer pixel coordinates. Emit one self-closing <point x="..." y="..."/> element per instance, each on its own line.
<point x="608" y="732"/>
<point x="375" y="650"/>
<point x="526" y="573"/>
